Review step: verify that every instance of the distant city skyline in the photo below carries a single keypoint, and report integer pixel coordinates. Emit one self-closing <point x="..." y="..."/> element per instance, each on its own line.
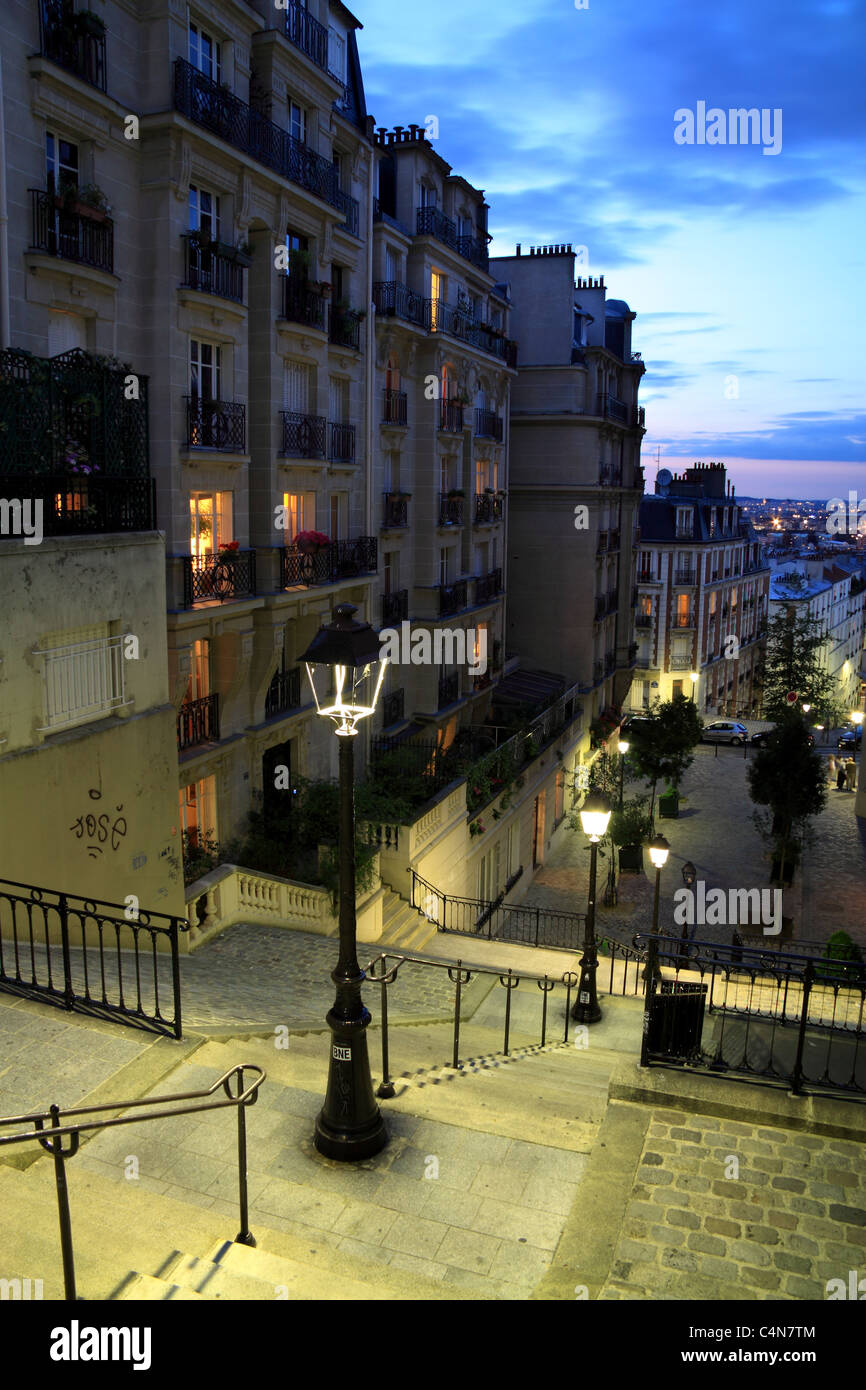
<point x="746" y="272"/>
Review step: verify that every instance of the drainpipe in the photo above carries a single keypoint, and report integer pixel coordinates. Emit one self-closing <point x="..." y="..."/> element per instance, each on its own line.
<point x="5" y="336"/>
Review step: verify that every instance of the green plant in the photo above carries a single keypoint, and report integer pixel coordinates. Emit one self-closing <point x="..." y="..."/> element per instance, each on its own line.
<point x="201" y="853"/>
<point x="789" y="778"/>
<point x="840" y="947"/>
<point x="92" y="196"/>
<point x="329" y="870"/>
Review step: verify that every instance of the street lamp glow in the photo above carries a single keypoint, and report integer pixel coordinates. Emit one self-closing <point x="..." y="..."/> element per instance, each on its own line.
<point x="595" y="816"/>
<point x="623" y="746"/>
<point x="856" y="716"/>
<point x="694" y="677"/>
<point x="346" y="670"/>
<point x="659" y="849"/>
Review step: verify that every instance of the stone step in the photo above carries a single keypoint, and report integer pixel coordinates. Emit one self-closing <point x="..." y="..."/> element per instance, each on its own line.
<point x="144" y="1288"/>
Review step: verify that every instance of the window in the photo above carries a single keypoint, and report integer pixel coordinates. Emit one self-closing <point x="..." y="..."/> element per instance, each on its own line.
<point x="209" y="512"/>
<point x="338" y="515"/>
<point x="204" y="212"/>
<point x="338" y="400"/>
<point x="391" y="264"/>
<point x="197" y="812"/>
<point x="682" y="612"/>
<point x="336" y="53"/>
<point x="426" y="196"/>
<point x="198" y="685"/>
<point x="84" y="676"/>
<point x="297" y="122"/>
<point x="489" y="882"/>
<point x="392" y="375"/>
<point x="438" y="291"/>
<point x="684" y="521"/>
<point x="391" y="571"/>
<point x="205" y="370"/>
<point x="65" y="331"/>
<point x="299" y="510"/>
<point x="445" y="475"/>
<point x="61" y="163"/>
<point x="337" y="161"/>
<point x="298" y="386"/>
<point x="481" y="473"/>
<point x="205" y="53"/>
<point x="444" y="565"/>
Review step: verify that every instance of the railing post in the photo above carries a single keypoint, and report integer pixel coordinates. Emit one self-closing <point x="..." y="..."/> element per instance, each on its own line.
<point x="244" y="1235"/>
<point x="386" y="1087"/>
<point x="651" y="986"/>
<point x="174" y="938"/>
<point x="55" y="1148"/>
<point x="545" y="986"/>
<point x="797" y="1073"/>
<point x="509" y="983"/>
<point x="68" y="992"/>
<point x="569" y="979"/>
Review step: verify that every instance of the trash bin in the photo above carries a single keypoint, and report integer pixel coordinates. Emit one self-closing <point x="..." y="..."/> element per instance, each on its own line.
<point x="669" y="805"/>
<point x="676" y="1019"/>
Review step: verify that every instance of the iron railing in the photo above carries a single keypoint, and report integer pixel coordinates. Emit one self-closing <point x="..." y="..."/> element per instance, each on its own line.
<point x="284" y="692"/>
<point x="115" y="973"/>
<point x="488" y="425"/>
<point x="449" y="690"/>
<point x="433" y="222"/>
<point x="303" y="435"/>
<point x="395" y="607"/>
<point x="396" y="510"/>
<point x="453" y="598"/>
<point x="451" y="417"/>
<point x="488" y="508"/>
<point x="342" y="443"/>
<point x="497" y="920"/>
<point x="300" y="304"/>
<point x="50" y="1127"/>
<point x="350" y="207"/>
<point x="86" y="505"/>
<point x="488" y="586"/>
<point x="212" y="270"/>
<point x="306" y="33"/>
<point x="393" y="300"/>
<point x="344" y="328"/>
<point x="450" y="510"/>
<point x="437" y="767"/>
<point x="332" y="562"/>
<point x="198" y="721"/>
<point x="220" y="425"/>
<point x="394" y="407"/>
<point x="230" y="574"/>
<point x="71" y="235"/>
<point x="73" y="41"/>
<point x="393" y="708"/>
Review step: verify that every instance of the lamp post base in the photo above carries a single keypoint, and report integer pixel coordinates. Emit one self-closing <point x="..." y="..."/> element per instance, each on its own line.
<point x="586" y="1008"/>
<point x="349" y="1126"/>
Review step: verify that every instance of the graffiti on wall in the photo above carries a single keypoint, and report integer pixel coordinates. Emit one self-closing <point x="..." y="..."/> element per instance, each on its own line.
<point x="100" y="829"/>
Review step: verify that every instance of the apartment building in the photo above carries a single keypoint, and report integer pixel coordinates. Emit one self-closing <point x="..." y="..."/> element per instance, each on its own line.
<point x="829" y="593"/>
<point x="443" y="371"/>
<point x="188" y="202"/>
<point x="702" y="594"/>
<point x="576" y="478"/>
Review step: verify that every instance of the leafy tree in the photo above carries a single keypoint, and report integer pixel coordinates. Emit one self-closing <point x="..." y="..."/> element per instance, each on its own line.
<point x="790" y="779"/>
<point x="794" y="662"/>
<point x="661" y="748"/>
<point x="840" y="947"/>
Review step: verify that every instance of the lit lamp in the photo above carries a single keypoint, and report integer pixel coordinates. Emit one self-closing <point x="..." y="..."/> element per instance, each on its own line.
<point x="346" y="670"/>
<point x="689" y="873"/>
<point x="694" y="677"/>
<point x="659" y="849"/>
<point x="623" y="747"/>
<point x="594" y="818"/>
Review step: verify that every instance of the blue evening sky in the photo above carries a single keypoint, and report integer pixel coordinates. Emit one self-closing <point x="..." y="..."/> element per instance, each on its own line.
<point x="738" y="264"/>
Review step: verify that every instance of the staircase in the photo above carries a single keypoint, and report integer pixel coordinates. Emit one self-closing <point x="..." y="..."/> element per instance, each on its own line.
<point x="404" y="928"/>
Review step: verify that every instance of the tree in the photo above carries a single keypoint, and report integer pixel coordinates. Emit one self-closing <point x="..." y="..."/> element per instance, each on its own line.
<point x="662" y="746"/>
<point x="789" y="778"/>
<point x="794" y="663"/>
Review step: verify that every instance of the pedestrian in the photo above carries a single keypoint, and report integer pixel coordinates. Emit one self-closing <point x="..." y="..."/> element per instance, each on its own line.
<point x="851" y="774"/>
<point x="831" y="769"/>
<point x="840" y="777"/>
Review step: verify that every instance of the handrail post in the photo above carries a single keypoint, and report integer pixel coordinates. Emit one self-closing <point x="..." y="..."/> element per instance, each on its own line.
<point x="545" y="986"/>
<point x="244" y="1235"/>
<point x="797" y="1073"/>
<point x="455" y="1061"/>
<point x="569" y="979"/>
<point x="385" y="1089"/>
<point x="56" y="1148"/>
<point x="174" y="938"/>
<point x="68" y="991"/>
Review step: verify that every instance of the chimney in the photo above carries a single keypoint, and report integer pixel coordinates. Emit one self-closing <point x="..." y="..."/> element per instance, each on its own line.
<point x="518" y="248"/>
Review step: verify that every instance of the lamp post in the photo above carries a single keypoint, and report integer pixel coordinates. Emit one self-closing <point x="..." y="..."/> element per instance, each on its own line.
<point x="690" y="873"/>
<point x="860" y="798"/>
<point x="623" y="747"/>
<point x="659" y="849"/>
<point x="594" y="818"/>
<point x="346" y="669"/>
<point x="694" y="677"/>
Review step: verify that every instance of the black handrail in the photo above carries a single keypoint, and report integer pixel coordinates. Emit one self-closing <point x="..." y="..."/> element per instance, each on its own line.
<point x="52" y="1143"/>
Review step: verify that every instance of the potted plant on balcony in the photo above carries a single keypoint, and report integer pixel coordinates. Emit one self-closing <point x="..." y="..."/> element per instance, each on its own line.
<point x="325" y="288"/>
<point x="87" y="23"/>
<point x="229" y="547"/>
<point x="311" y="542"/>
<point x="454" y="493"/>
<point x="86" y="200"/>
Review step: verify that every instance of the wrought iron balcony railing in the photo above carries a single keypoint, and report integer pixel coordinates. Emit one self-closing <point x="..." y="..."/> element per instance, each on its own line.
<point x="330" y="563"/>
<point x="306" y="33"/>
<point x="488" y="425"/>
<point x="450" y="510"/>
<point x="284" y="692"/>
<point x="213" y="269"/>
<point x="71" y="231"/>
<point x="683" y="620"/>
<point x="681" y="663"/>
<point x="74" y="505"/>
<point x="303" y="435"/>
<point x="453" y="598"/>
<point x="433" y="222"/>
<point x="451" y="417"/>
<point x="643" y="620"/>
<point x="230" y="574"/>
<point x="198" y="721"/>
<point x="488" y="586"/>
<point x="449" y="689"/>
<point x="301" y="304"/>
<point x="73" y="41"/>
<point x="342" y="443"/>
<point x="392" y="708"/>
<point x="344" y="328"/>
<point x="395" y="607"/>
<point x="218" y="425"/>
<point x="393" y="300"/>
<point x="394" y="407"/>
<point x="349" y="205"/>
<point x="488" y="508"/>
<point x="396" y="510"/>
<point x="685" y="577"/>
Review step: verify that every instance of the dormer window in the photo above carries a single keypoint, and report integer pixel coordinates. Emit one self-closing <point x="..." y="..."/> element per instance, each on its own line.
<point x="685" y="522"/>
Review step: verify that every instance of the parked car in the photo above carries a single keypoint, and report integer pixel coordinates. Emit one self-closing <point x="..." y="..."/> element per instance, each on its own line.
<point x="725" y="731"/>
<point x="759" y="739"/>
<point x="850" y="740"/>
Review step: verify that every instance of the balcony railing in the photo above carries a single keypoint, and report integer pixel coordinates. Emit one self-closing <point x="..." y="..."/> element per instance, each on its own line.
<point x="303" y="435"/>
<point x="71" y="231"/>
<point x="73" y="41"/>
<point x="306" y="33"/>
<point x="198" y="722"/>
<point x="395" y="607"/>
<point x="218" y="425"/>
<point x="284" y="692"/>
<point x="394" y="407"/>
<point x="450" y="510"/>
<point x="488" y="508"/>
<point x="683" y="620"/>
<point x="330" y="563"/>
<point x="685" y="577"/>
<point x="393" y="300"/>
<point x="609" y="477"/>
<point x="643" y="620"/>
<point x="392" y="708"/>
<point x="612" y="408"/>
<point x="73" y="505"/>
<point x="230" y="574"/>
<point x="681" y="663"/>
<point x="449" y="690"/>
<point x="487" y="586"/>
<point x="344" y="328"/>
<point x="433" y="222"/>
<point x="212" y="106"/>
<point x="396" y="510"/>
<point x="213" y="269"/>
<point x="451" y="417"/>
<point x="453" y="598"/>
<point x="302" y="304"/>
<point x="488" y="425"/>
<point x="349" y="205"/>
<point x="342" y="443"/>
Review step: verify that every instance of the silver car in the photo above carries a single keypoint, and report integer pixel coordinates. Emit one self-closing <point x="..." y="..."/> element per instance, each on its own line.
<point x="725" y="731"/>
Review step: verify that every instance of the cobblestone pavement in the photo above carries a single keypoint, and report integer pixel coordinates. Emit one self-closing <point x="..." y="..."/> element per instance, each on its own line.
<point x="724" y="1210"/>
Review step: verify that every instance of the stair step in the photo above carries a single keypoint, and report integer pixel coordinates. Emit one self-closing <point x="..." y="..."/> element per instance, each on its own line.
<point x="213" y="1281"/>
<point x="144" y="1288"/>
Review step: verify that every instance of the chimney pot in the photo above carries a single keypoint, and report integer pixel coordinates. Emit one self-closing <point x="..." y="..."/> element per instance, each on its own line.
<point x="518" y="248"/>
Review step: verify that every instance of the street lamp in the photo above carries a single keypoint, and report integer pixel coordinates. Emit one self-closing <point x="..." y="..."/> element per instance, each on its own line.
<point x="689" y="873"/>
<point x="346" y="670"/>
<point x="623" y="747"/>
<point x="659" y="849"/>
<point x="694" y="677"/>
<point x="594" y="818"/>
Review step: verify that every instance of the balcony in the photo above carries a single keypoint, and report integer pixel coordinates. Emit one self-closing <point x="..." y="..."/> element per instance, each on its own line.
<point x="344" y="328"/>
<point x="449" y="690"/>
<point x="680" y="620"/>
<point x="646" y="577"/>
<point x="212" y="106"/>
<point x="433" y="222"/>
<point x="450" y="510"/>
<point x="489" y="508"/>
<point x="451" y="417"/>
<point x="643" y="620"/>
<point x="284" y="692"/>
<point x="73" y="41"/>
<point x="395" y="607"/>
<point x="329" y="563"/>
<point x="488" y="586"/>
<point x="612" y="408"/>
<point x="609" y="477"/>
<point x="394" y="407"/>
<point x="306" y="33"/>
<point x="230" y="574"/>
<point x="453" y="598"/>
<point x="392" y="708"/>
<point x="393" y="300"/>
<point x="349" y="205"/>
<point x="342" y="443"/>
<point x="685" y="577"/>
<point x="214" y="268"/>
<point x="685" y="533"/>
<point x="73" y="505"/>
<point x="71" y="231"/>
<point x="198" y="722"/>
<point x="220" y="425"/>
<point x="681" y="663"/>
<point x="303" y="305"/>
<point x="395" y="512"/>
<point x="303" y="435"/>
<point x="488" y="425"/>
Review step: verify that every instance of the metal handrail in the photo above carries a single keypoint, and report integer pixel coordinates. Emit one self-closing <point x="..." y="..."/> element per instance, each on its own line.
<point x="51" y="1143"/>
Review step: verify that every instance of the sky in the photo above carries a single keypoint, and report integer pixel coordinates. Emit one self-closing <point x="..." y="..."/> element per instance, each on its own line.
<point x="746" y="269"/>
